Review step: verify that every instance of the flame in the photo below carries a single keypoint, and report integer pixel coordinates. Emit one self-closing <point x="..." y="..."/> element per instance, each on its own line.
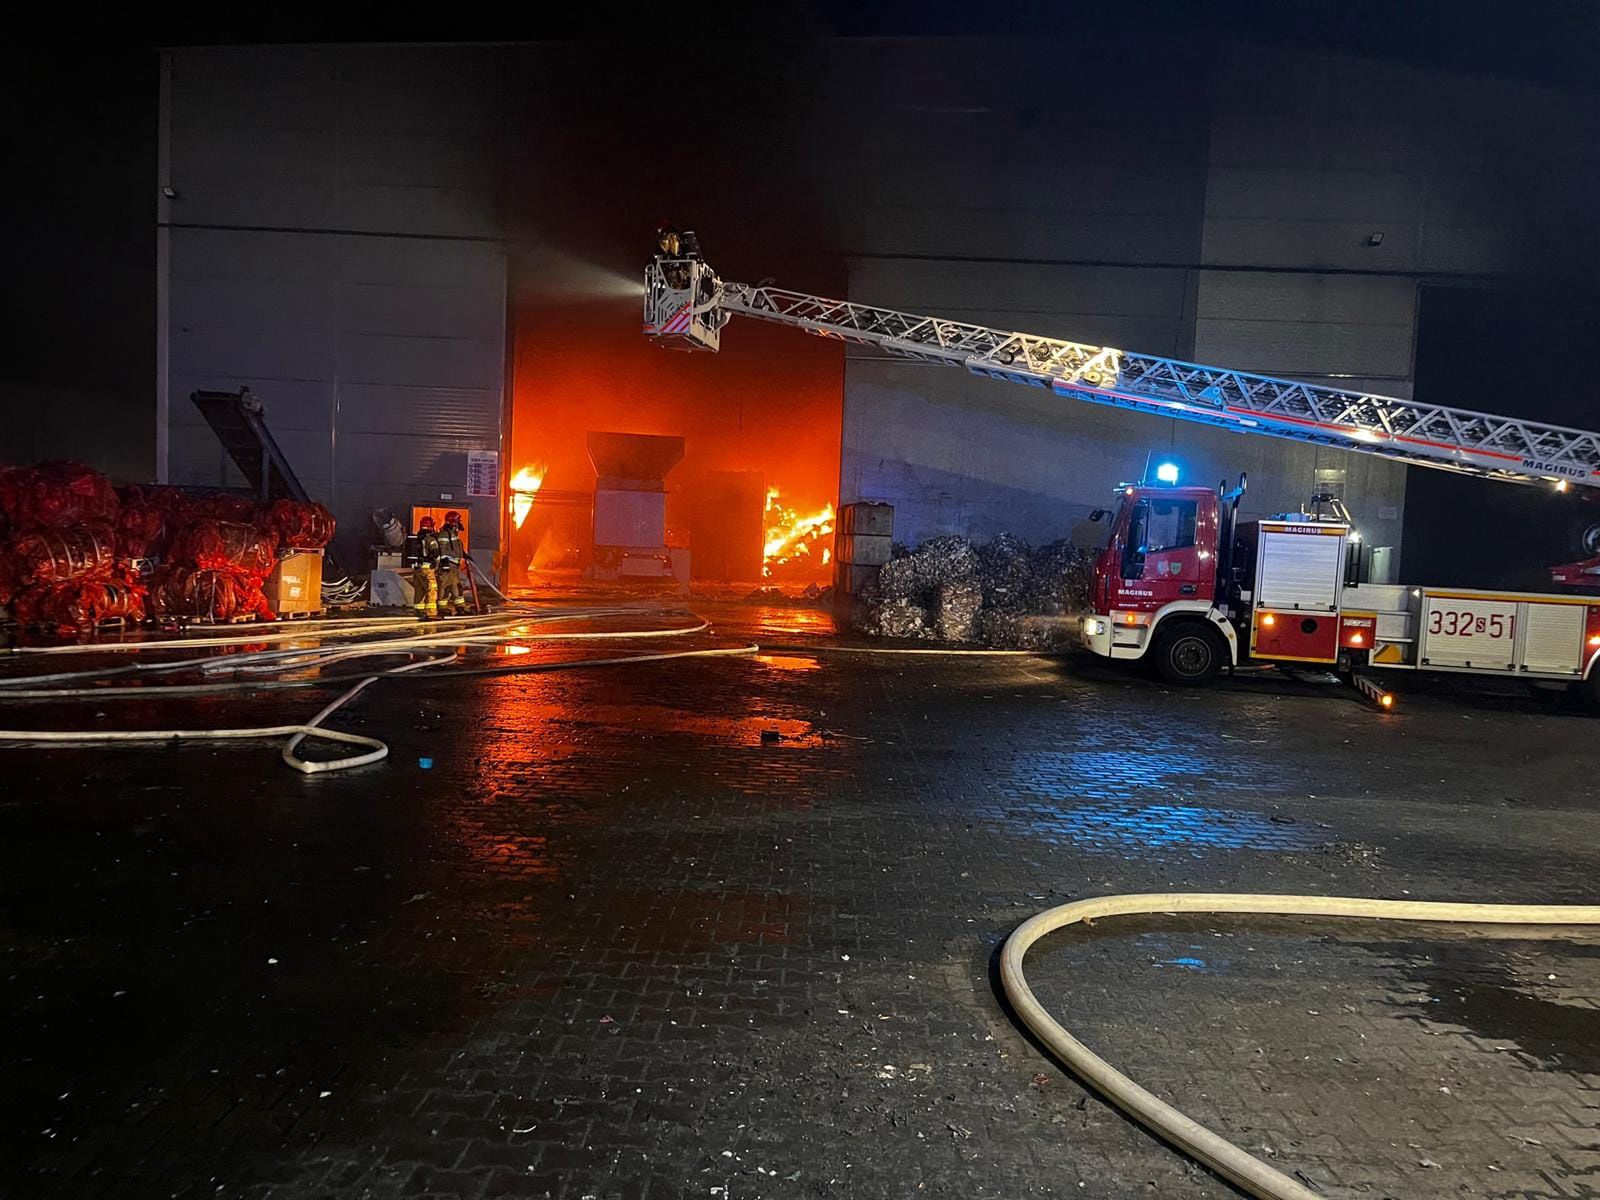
<point x="791" y="537"/>
<point x="524" y="484"/>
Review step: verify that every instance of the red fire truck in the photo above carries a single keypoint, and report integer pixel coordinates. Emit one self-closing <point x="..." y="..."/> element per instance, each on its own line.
<point x="1183" y="582"/>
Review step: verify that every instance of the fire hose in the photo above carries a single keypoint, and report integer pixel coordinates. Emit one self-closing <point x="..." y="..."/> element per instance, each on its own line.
<point x="502" y="629"/>
<point x="1237" y="1166"/>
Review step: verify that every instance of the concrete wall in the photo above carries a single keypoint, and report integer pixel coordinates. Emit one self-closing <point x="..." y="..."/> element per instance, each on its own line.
<point x="335" y="245"/>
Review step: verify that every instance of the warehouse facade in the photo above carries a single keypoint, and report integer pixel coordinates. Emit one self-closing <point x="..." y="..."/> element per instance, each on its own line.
<point x="330" y="239"/>
<point x="345" y="227"/>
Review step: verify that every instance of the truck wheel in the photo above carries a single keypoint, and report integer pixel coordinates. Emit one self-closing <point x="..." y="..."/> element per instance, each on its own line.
<point x="1189" y="653"/>
<point x="1590" y="690"/>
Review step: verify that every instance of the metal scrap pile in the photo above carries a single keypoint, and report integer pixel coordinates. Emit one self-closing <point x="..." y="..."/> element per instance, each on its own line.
<point x="1003" y="594"/>
<point x="75" y="551"/>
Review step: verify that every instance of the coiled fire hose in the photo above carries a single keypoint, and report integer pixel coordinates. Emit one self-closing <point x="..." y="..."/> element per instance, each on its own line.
<point x="1237" y="1166"/>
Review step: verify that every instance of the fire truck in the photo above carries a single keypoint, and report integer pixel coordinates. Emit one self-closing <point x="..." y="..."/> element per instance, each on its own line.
<point x="1183" y="583"/>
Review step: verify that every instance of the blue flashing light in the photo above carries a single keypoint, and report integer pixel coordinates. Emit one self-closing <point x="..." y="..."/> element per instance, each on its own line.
<point x="1167" y="472"/>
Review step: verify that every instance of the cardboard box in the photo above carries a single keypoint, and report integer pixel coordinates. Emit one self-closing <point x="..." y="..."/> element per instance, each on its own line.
<point x="295" y="585"/>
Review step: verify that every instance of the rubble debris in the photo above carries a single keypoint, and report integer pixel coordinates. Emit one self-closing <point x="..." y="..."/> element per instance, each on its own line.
<point x="1025" y="631"/>
<point x="955" y="610"/>
<point x="814" y="594"/>
<point x="1062" y="575"/>
<point x="938" y="560"/>
<point x="1003" y="594"/>
<point x="895" y="617"/>
<point x="1005" y="570"/>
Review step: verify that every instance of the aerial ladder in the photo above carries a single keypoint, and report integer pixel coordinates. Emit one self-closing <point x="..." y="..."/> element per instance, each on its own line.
<point x="686" y="306"/>
<point x="1212" y="598"/>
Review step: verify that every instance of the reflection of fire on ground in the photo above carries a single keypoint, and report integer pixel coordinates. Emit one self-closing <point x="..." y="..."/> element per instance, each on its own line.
<point x="795" y="545"/>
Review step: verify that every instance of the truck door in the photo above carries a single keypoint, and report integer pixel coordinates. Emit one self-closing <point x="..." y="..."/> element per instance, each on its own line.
<point x="1160" y="555"/>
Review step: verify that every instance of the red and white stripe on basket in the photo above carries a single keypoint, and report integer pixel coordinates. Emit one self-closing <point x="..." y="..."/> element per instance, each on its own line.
<point x="679" y="321"/>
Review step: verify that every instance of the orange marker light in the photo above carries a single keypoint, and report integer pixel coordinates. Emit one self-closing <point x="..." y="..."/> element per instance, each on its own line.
<point x="1356" y="639"/>
<point x="1595" y="640"/>
<point x="1269" y="620"/>
<point x="1386" y="700"/>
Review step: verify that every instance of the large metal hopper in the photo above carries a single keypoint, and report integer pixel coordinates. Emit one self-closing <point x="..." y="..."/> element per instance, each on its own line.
<point x="633" y="461"/>
<point x="630" y="506"/>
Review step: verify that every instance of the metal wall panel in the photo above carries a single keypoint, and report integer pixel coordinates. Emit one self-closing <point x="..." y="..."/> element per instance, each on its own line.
<point x="1309" y="155"/>
<point x="1121" y="222"/>
<point x="982" y="147"/>
<point x="958" y="454"/>
<point x="1306" y="326"/>
<point x="380" y="358"/>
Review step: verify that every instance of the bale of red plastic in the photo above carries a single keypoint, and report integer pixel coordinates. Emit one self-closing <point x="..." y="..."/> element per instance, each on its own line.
<point x="63" y="523"/>
<point x="221" y="506"/>
<point x="56" y="495"/>
<point x="220" y="592"/>
<point x="38" y="555"/>
<point x="142" y="530"/>
<point x="303" y="526"/>
<point x="208" y="543"/>
<point x="75" y="605"/>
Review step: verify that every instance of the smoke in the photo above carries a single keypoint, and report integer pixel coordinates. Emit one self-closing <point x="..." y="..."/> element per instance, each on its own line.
<point x="546" y="274"/>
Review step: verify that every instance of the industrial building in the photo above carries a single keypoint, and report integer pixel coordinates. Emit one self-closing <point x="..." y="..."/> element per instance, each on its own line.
<point x="674" y="756"/>
<point x="413" y="253"/>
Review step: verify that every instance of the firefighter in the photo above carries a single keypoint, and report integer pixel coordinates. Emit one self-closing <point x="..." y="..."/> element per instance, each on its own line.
<point x="452" y="555"/>
<point x="668" y="239"/>
<point x="676" y="244"/>
<point x="422" y="556"/>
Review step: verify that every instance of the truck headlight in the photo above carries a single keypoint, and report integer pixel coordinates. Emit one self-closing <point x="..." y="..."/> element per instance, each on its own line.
<point x="1093" y="627"/>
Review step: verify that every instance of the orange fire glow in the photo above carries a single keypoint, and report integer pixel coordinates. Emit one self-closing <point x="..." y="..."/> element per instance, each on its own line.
<point x="791" y="537"/>
<point x="524" y="485"/>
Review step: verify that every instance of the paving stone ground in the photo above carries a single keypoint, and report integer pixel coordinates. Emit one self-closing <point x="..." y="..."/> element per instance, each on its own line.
<point x="620" y="941"/>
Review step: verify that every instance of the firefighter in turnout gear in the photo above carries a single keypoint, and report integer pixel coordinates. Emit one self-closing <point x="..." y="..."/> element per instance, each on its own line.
<point x="422" y="556"/>
<point x="452" y="557"/>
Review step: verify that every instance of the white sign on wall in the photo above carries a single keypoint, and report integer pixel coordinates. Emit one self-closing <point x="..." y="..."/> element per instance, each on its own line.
<point x="483" y="472"/>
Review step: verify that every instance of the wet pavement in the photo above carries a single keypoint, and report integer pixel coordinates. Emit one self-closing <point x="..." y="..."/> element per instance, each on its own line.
<point x="727" y="927"/>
